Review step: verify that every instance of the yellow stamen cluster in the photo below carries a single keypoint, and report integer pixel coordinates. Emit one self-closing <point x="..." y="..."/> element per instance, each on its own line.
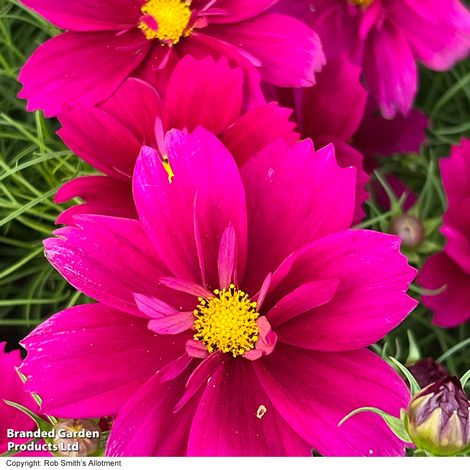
<point x="362" y="3"/>
<point x="172" y="18"/>
<point x="227" y="322"/>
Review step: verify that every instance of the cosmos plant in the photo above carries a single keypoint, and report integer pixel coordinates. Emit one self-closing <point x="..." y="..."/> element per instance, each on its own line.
<point x="231" y="315"/>
<point x="388" y="37"/>
<point x="113" y="133"/>
<point x="234" y="304"/>
<point x="109" y="41"/>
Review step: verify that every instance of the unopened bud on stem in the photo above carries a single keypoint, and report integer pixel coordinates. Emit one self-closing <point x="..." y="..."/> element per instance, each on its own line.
<point x="427" y="371"/>
<point x="409" y="229"/>
<point x="77" y="437"/>
<point x="438" y="418"/>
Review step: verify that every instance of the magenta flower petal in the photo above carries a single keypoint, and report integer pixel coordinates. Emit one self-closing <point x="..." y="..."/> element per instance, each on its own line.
<point x="227" y="260"/>
<point x="330" y="112"/>
<point x="335" y="105"/>
<point x="313" y="407"/>
<point x="102" y="195"/>
<point x="194" y="93"/>
<point x="153" y="307"/>
<point x="233" y="11"/>
<point x="11" y="388"/>
<point x="203" y="45"/>
<point x="188" y="287"/>
<point x="301" y="9"/>
<point x="206" y="182"/>
<point x="289" y="51"/>
<point x="377" y="136"/>
<point x="317" y="188"/>
<point x="100" y="140"/>
<point x="348" y="156"/>
<point x="256" y="129"/>
<point x="338" y="28"/>
<point x="110" y="260"/>
<point x="371" y="297"/>
<point x="420" y="19"/>
<point x="455" y="171"/>
<point x="393" y="86"/>
<point x="147" y="424"/>
<point x="88" y="15"/>
<point x="135" y="105"/>
<point x="235" y="417"/>
<point x="450" y="269"/>
<point x="456" y="179"/>
<point x="79" y="345"/>
<point x="172" y="267"/>
<point x="200" y="375"/>
<point x="107" y="43"/>
<point x="111" y="137"/>
<point x="456" y="229"/>
<point x="157" y="65"/>
<point x="303" y="299"/>
<point x="56" y="76"/>
<point x="452" y="306"/>
<point x="172" y="324"/>
<point x="387" y="38"/>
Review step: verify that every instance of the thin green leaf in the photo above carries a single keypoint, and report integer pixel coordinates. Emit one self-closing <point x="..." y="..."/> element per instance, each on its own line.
<point x="414" y="386"/>
<point x="395" y="424"/>
<point x="465" y="378"/>
<point x="414" y="354"/>
<point x="454" y="349"/>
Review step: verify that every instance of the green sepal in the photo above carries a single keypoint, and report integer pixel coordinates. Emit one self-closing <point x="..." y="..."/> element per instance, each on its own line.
<point x="396" y="425"/>
<point x="414" y="386"/>
<point x="465" y="378"/>
<point x="427" y="247"/>
<point x="431" y="225"/>
<point x="42" y="424"/>
<point x="414" y="354"/>
<point x="35" y="396"/>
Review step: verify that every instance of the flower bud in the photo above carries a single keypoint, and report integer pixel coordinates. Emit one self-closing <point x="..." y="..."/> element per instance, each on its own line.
<point x="409" y="229"/>
<point x="427" y="371"/>
<point x="106" y="423"/>
<point x="77" y="437"/>
<point x="438" y="418"/>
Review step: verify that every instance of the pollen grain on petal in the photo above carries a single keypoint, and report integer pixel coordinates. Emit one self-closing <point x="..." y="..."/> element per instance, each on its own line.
<point x="261" y="411"/>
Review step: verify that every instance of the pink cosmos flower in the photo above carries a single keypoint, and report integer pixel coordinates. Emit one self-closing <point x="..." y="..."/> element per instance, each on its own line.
<point x="379" y="137"/>
<point x="337" y="110"/>
<point x="199" y="92"/>
<point x="11" y="388"/>
<point x="450" y="269"/>
<point x="331" y="112"/>
<point x="388" y="37"/>
<point x="109" y="40"/>
<point x="233" y="316"/>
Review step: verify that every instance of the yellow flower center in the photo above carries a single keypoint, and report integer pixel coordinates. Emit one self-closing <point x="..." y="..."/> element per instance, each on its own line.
<point x="227" y="322"/>
<point x="166" y="20"/>
<point x="362" y="3"/>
